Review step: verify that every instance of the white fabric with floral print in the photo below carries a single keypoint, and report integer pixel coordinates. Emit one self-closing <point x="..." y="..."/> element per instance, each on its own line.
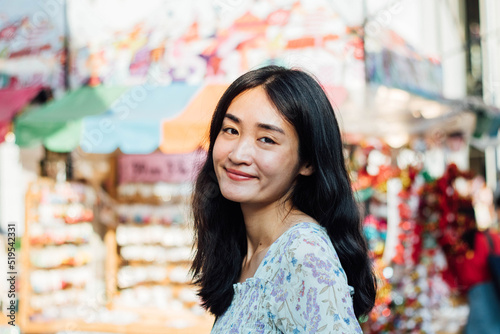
<point x="299" y="287"/>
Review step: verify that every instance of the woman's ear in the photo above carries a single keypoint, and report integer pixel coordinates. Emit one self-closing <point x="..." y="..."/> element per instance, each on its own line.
<point x="306" y="169"/>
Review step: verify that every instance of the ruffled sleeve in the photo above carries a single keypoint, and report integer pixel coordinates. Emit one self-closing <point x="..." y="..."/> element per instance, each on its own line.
<point x="309" y="290"/>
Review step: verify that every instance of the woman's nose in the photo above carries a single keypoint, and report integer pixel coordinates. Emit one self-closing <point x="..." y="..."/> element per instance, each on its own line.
<point x="242" y="152"/>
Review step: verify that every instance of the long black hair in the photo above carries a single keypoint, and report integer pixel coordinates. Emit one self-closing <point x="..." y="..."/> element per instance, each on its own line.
<point x="326" y="195"/>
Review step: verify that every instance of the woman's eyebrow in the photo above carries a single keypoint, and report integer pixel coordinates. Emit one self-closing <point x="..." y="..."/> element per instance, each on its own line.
<point x="271" y="127"/>
<point x="260" y="125"/>
<point x="232" y="118"/>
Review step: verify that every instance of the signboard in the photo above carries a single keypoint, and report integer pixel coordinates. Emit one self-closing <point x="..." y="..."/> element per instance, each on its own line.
<point x="159" y="167"/>
<point x="162" y="41"/>
<point x="391" y="62"/>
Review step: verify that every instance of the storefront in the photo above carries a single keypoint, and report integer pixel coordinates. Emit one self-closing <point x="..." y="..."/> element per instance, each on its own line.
<point x="106" y="233"/>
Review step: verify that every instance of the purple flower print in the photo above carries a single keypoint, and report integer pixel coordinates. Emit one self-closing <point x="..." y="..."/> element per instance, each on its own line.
<point x="312" y="310"/>
<point x="259" y="327"/>
<point x="321" y="269"/>
<point x="278" y="292"/>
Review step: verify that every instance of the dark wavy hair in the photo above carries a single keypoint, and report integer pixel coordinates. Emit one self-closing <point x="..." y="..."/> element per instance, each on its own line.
<point x="326" y="195"/>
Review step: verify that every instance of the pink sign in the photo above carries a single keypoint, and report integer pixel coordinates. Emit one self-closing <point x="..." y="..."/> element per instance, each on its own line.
<point x="159" y="167"/>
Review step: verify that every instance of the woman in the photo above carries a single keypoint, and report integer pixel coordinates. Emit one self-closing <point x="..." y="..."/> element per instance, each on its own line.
<point x="474" y="279"/>
<point x="278" y="235"/>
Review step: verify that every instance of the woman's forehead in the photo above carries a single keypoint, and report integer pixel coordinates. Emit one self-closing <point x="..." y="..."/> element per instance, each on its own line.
<point x="255" y="105"/>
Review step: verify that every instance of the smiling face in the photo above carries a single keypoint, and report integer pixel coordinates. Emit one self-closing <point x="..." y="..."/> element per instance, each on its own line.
<point x="255" y="154"/>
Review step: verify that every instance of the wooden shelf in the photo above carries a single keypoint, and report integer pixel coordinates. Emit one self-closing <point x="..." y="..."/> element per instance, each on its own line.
<point x="146" y="325"/>
<point x="146" y="320"/>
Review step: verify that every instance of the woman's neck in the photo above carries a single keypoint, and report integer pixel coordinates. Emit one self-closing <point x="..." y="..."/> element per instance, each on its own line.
<point x="265" y="224"/>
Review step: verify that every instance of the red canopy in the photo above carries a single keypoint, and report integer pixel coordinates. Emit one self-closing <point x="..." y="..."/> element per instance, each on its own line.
<point x="13" y="100"/>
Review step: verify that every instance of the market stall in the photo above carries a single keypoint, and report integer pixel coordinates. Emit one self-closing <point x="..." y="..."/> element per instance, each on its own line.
<point x="133" y="264"/>
<point x="414" y="220"/>
<point x="131" y="277"/>
<point x="137" y="266"/>
<point x="119" y="237"/>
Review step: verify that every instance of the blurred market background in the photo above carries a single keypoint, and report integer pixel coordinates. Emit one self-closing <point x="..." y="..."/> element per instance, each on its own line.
<point x="104" y="108"/>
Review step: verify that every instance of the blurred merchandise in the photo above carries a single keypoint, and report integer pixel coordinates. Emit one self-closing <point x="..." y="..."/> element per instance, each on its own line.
<point x="415" y="226"/>
<point x="82" y="271"/>
<point x="63" y="253"/>
<point x="154" y="245"/>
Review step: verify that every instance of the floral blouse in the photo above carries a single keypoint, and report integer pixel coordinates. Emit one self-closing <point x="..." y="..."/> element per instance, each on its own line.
<point x="299" y="287"/>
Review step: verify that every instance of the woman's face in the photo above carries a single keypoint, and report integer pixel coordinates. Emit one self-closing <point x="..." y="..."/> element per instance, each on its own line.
<point x="256" y="152"/>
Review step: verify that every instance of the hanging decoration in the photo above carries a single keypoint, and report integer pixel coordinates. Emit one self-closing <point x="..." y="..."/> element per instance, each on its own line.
<point x="32" y="44"/>
<point x="414" y="286"/>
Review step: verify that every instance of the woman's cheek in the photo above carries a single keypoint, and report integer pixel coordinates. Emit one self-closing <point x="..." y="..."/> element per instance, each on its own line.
<point x="215" y="152"/>
<point x="270" y="161"/>
<point x="220" y="151"/>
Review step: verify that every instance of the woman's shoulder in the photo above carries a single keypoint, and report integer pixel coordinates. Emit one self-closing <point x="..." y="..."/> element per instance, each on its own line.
<point x="306" y="252"/>
<point x="305" y="238"/>
<point x="309" y="230"/>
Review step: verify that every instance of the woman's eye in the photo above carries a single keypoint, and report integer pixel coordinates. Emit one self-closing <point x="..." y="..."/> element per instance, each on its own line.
<point x="267" y="140"/>
<point x="230" y="131"/>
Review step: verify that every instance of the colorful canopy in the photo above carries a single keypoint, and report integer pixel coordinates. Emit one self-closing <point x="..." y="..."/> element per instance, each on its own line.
<point x="133" y="124"/>
<point x="13" y="100"/>
<point x="58" y="124"/>
<point x="189" y="131"/>
<point x="138" y="120"/>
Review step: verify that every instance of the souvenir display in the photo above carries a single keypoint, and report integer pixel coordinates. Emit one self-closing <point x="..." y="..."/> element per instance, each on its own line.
<point x="154" y="250"/>
<point x="136" y="274"/>
<point x="63" y="252"/>
<point x="415" y="288"/>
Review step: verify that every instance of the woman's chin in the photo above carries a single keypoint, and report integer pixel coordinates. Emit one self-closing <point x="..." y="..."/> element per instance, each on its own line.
<point x="235" y="197"/>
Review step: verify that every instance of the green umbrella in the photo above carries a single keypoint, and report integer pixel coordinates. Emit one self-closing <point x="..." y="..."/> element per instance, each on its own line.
<point x="58" y="124"/>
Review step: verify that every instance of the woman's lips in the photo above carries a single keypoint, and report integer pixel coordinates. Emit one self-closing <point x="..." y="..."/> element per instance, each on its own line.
<point x="238" y="176"/>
